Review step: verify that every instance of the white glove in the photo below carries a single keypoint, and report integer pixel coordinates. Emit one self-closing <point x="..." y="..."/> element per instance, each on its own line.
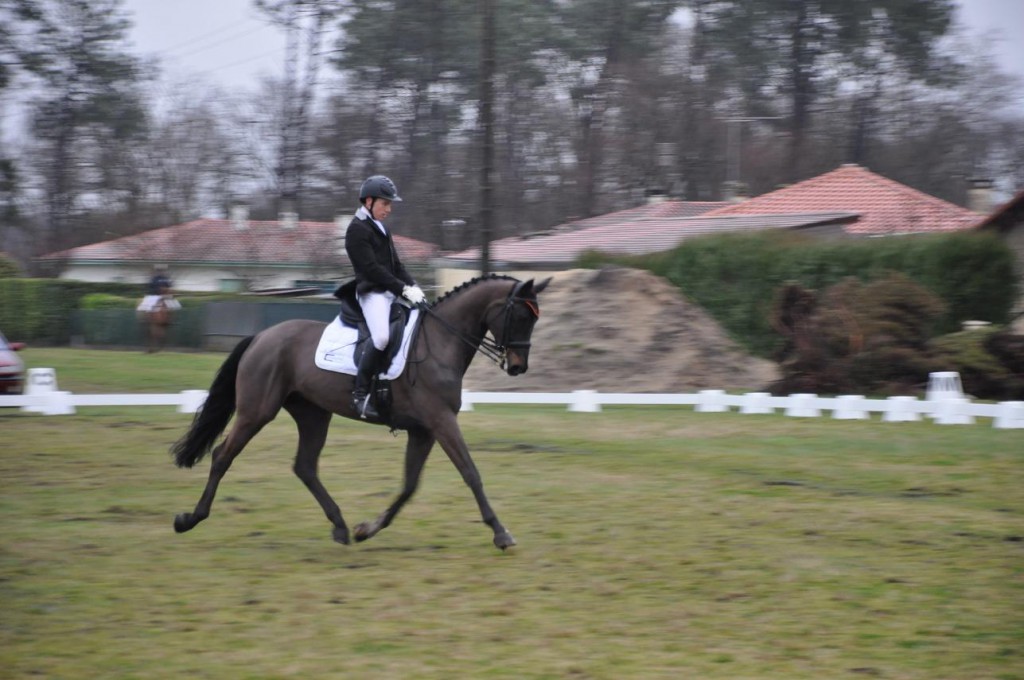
<point x="413" y="294"/>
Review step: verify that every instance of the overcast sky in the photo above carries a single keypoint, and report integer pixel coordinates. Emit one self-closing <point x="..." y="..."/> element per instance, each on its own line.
<point x="228" y="42"/>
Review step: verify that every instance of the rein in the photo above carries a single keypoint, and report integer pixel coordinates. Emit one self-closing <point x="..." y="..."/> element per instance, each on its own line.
<point x="495" y="351"/>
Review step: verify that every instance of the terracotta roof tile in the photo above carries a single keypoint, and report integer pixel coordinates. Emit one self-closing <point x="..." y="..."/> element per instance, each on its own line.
<point x="885" y="206"/>
<point x="216" y="240"/>
<point x="664" y="209"/>
<point x="637" y="237"/>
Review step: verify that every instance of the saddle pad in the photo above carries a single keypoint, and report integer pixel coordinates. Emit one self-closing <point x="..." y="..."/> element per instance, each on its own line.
<point x="338" y="342"/>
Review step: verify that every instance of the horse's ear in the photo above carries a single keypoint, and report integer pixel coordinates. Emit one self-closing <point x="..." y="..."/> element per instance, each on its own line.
<point x="537" y="288"/>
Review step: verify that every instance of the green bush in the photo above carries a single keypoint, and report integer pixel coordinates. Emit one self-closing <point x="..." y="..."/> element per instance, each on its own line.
<point x="9" y="268"/>
<point x="40" y="310"/>
<point x="107" y="301"/>
<point x="856" y="338"/>
<point x="735" y="276"/>
<point x="986" y="370"/>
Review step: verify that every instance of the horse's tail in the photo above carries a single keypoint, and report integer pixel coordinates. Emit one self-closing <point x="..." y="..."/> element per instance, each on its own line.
<point x="213" y="417"/>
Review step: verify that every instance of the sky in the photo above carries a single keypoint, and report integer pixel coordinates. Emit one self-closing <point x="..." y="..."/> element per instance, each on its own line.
<point x="224" y="41"/>
<point x="228" y="42"/>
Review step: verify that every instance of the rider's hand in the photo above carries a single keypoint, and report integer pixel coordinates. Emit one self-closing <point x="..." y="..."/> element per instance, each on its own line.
<point x="413" y="294"/>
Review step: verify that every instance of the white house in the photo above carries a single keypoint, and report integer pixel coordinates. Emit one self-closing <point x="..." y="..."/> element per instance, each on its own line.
<point x="229" y="255"/>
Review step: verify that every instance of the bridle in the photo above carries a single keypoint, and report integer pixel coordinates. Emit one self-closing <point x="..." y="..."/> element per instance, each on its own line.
<point x="496" y="351"/>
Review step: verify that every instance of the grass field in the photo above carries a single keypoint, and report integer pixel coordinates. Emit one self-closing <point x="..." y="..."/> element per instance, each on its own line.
<point x="653" y="543"/>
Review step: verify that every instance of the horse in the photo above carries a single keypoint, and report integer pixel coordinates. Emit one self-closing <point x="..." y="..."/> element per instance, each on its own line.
<point x="157" y="320"/>
<point x="275" y="369"/>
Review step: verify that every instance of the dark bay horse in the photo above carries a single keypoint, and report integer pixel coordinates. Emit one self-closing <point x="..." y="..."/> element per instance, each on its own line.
<point x="275" y="369"/>
<point x="157" y="321"/>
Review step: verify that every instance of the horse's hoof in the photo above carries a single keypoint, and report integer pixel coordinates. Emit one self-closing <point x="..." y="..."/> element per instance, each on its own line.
<point x="363" y="531"/>
<point x="183" y="523"/>
<point x="504" y="540"/>
<point x="340" y="535"/>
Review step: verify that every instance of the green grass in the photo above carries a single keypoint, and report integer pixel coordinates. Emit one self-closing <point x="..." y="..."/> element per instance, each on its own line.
<point x="653" y="543"/>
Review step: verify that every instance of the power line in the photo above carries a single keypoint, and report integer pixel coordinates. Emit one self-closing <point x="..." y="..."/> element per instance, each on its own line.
<point x="242" y="61"/>
<point x="199" y="38"/>
<point x="234" y="36"/>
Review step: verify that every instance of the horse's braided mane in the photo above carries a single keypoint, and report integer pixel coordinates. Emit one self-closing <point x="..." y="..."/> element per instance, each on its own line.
<point x="472" y="282"/>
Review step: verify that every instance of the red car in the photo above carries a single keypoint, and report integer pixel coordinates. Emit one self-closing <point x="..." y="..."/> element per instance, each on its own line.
<point x="12" y="369"/>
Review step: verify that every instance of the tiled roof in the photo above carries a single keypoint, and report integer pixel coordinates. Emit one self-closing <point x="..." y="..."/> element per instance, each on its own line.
<point x="214" y="240"/>
<point x="885" y="206"/>
<point x="666" y="209"/>
<point x="1006" y="216"/>
<point x="637" y="237"/>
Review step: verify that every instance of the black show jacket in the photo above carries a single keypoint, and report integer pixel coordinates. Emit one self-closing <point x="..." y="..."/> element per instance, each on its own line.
<point x="374" y="259"/>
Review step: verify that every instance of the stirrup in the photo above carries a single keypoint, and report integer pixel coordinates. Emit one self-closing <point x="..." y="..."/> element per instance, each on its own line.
<point x="365" y="408"/>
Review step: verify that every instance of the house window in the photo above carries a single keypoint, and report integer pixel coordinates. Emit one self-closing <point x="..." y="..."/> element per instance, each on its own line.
<point x="231" y="285"/>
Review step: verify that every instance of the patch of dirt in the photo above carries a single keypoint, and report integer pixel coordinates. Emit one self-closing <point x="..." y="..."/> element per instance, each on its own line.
<point x="624" y="330"/>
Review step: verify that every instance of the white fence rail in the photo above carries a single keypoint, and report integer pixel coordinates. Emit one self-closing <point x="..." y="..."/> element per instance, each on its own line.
<point x="42" y="397"/>
<point x="945" y="411"/>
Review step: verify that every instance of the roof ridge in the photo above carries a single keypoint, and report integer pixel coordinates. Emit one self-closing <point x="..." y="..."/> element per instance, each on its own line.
<point x="859" y="172"/>
<point x="911" y="191"/>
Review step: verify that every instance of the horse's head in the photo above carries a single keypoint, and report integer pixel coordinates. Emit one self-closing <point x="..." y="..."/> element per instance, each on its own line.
<point x="512" y="325"/>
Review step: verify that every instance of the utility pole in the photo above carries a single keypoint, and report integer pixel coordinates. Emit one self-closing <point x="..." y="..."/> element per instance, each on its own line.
<point x="487" y="35"/>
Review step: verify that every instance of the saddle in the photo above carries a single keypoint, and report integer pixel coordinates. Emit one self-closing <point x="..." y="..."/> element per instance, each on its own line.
<point x="351" y="314"/>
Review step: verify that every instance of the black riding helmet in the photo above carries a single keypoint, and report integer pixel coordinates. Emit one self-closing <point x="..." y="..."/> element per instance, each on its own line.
<point x="379" y="186"/>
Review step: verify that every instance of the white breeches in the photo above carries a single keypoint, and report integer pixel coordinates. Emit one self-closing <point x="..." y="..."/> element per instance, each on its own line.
<point x="377" y="310"/>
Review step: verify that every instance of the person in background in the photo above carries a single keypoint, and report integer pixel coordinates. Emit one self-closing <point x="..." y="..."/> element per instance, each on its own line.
<point x="380" y="279"/>
<point x="158" y="289"/>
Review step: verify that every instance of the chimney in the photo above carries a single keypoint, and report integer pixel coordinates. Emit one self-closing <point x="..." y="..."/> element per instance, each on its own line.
<point x="240" y="216"/>
<point x="979" y="196"/>
<point x="735" y="191"/>
<point x="653" y="196"/>
<point x="451" y="231"/>
<point x="288" y="220"/>
<point x="287" y="214"/>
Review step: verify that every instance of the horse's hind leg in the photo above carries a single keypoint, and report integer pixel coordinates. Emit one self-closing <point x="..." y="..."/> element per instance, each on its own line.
<point x="416" y="451"/>
<point x="313" y="423"/>
<point x="243" y="430"/>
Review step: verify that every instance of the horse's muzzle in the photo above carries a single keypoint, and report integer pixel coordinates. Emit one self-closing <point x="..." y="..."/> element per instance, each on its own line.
<point x="516" y="363"/>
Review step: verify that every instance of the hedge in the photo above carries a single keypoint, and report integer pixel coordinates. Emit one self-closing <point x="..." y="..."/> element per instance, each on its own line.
<point x="735" y="276"/>
<point x="50" y="311"/>
<point x="39" y="310"/>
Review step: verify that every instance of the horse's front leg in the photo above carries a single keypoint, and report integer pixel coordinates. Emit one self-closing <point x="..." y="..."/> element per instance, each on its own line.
<point x="416" y="451"/>
<point x="449" y="435"/>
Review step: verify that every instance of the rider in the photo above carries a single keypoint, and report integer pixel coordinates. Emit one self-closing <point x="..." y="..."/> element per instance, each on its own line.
<point x="158" y="288"/>
<point x="380" y="279"/>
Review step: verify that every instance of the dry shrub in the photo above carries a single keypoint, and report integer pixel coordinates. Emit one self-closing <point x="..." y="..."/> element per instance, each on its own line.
<point x="856" y="337"/>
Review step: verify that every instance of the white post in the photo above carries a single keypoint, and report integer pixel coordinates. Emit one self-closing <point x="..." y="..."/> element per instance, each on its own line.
<point x="40" y="382"/>
<point x="192" y="401"/>
<point x="850" y="407"/>
<point x="901" y="409"/>
<point x="584" y="401"/>
<point x="58" y="403"/>
<point x="467" y="403"/>
<point x="952" y="411"/>
<point x="942" y="385"/>
<point x="757" y="403"/>
<point x="803" y="406"/>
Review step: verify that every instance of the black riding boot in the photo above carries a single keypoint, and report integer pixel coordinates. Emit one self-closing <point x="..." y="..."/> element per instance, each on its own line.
<point x="368" y="368"/>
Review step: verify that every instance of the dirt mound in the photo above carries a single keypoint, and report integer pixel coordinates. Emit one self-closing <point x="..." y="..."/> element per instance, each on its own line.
<point x="624" y="330"/>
